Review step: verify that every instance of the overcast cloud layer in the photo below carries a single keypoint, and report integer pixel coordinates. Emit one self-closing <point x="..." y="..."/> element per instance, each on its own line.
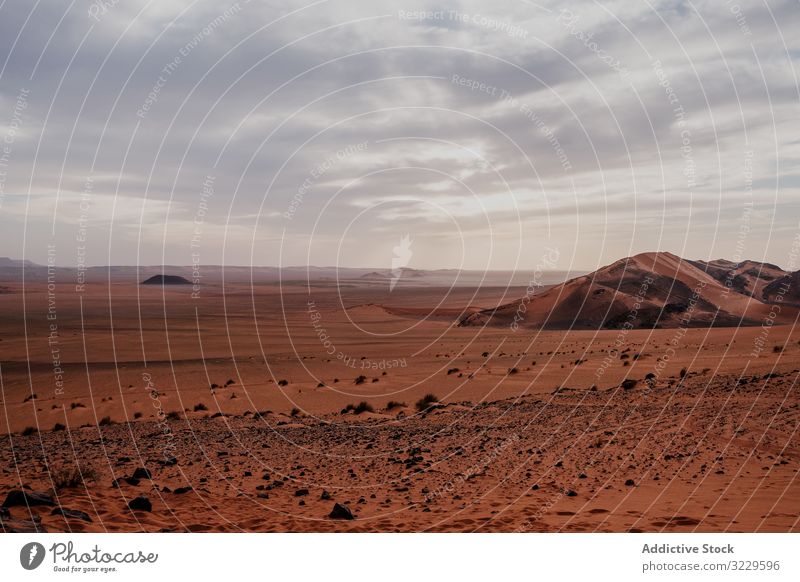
<point x="286" y="133"/>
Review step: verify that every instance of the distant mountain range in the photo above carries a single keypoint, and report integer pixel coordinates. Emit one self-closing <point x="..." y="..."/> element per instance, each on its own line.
<point x="11" y="270"/>
<point x="6" y="262"/>
<point x="655" y="290"/>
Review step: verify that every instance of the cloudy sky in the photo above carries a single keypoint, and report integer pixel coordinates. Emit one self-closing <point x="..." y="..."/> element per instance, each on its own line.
<point x="284" y="132"/>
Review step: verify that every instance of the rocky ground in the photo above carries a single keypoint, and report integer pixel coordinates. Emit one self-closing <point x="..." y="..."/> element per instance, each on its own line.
<point x="706" y="453"/>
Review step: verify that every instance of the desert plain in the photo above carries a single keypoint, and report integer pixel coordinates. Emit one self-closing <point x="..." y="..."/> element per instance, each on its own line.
<point x="344" y="405"/>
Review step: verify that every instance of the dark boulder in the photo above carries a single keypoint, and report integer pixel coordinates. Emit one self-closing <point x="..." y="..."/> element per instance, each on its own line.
<point x="17" y="497"/>
<point x="142" y="473"/>
<point x="341" y="512"/>
<point x="140" y="503"/>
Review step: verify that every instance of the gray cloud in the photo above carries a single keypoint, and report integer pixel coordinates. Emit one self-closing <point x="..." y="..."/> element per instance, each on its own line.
<point x="269" y="99"/>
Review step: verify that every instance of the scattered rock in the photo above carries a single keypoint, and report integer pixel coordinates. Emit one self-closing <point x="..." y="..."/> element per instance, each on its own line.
<point x="341" y="512"/>
<point x="630" y="483"/>
<point x="17" y="497"/>
<point x="71" y="513"/>
<point x="142" y="473"/>
<point x="140" y="503"/>
<point x="301" y="493"/>
<point x="23" y="526"/>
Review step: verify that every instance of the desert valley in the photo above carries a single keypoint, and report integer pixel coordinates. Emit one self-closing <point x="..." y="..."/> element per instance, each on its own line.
<point x="654" y="394"/>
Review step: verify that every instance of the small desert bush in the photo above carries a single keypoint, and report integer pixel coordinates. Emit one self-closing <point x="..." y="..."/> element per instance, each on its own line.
<point x="283" y="382"/>
<point x="199" y="407"/>
<point x="426" y="401"/>
<point x="105" y="421"/>
<point x="29" y="430"/>
<point x="69" y="477"/>
<point x="394" y="404"/>
<point x="295" y="412"/>
<point x="363" y="406"/>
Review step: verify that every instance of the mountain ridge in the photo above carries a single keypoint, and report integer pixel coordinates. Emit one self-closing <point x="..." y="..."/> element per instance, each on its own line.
<point x="652" y="290"/>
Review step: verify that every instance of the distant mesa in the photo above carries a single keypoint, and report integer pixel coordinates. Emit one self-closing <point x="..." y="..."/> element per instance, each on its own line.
<point x="404" y="272"/>
<point x="166" y="280"/>
<point x="375" y="275"/>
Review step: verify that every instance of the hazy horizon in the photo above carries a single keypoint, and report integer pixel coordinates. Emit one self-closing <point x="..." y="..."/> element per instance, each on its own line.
<point x="573" y="268"/>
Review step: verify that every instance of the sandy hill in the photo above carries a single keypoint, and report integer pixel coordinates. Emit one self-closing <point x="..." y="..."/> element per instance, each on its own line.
<point x="648" y="290"/>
